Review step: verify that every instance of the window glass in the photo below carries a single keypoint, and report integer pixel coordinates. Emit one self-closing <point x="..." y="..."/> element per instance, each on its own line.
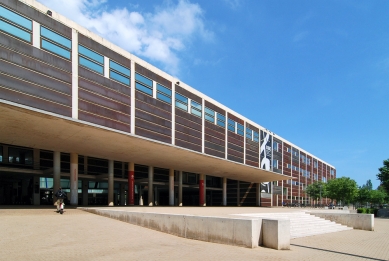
<point x="15" y="18"/>
<point x="196" y="108"/>
<point x="116" y="76"/>
<point x="164" y="98"/>
<point x="275" y="146"/>
<point x="209" y="115"/>
<point x="119" y="68"/>
<point x="182" y="99"/>
<point x="240" y="129"/>
<point x="231" y="125"/>
<point x="209" y="118"/>
<point x="256" y="136"/>
<point x="91" y="65"/>
<point x="221" y="120"/>
<point x="210" y="112"/>
<point x="1" y="154"/>
<point x="196" y="112"/>
<point x="15" y="31"/>
<point x="19" y="156"/>
<point x="196" y="105"/>
<point x="56" y="37"/>
<point x="144" y="80"/>
<point x="90" y="54"/>
<point x="249" y="133"/>
<point x="55" y="49"/>
<point x="143" y="88"/>
<point x="181" y="106"/>
<point x="275" y="163"/>
<point x="164" y="90"/>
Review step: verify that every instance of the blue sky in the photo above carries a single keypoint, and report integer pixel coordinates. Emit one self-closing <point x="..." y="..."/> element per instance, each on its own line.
<point x="314" y="72"/>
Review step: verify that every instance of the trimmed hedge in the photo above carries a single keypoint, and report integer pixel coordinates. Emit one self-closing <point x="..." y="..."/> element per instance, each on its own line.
<point x="368" y="211"/>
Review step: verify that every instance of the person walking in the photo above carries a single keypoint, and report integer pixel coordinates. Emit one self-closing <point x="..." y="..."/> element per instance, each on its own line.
<point x="60" y="195"/>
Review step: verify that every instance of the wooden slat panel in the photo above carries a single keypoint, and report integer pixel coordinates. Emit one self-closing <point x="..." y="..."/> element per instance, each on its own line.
<point x="152" y="135"/>
<point x="188" y="94"/>
<point x="188" y="123"/>
<point x="214" y="140"/>
<point x="155" y="77"/>
<point x="213" y="146"/>
<point x="215" y="127"/>
<point x="189" y="131"/>
<point x="152" y="118"/>
<point x="100" y="100"/>
<point x="252" y="163"/>
<point x="249" y="157"/>
<point x="150" y="100"/>
<point x="35" y="102"/>
<point x="93" y="87"/>
<point x="187" y="145"/>
<point x="34" y="90"/>
<point x="233" y="117"/>
<point x="188" y="116"/>
<point x="34" y="65"/>
<point x="101" y="80"/>
<point x="104" y="112"/>
<point x="153" y="110"/>
<point x="251" y="153"/>
<point x="95" y="46"/>
<point x="34" y="77"/>
<point x="39" y="17"/>
<point x="153" y="127"/>
<point x="92" y="118"/>
<point x="29" y="50"/>
<point x="214" y="107"/>
<point x="235" y="153"/>
<point x="235" y="138"/>
<point x="236" y="159"/>
<point x="214" y="153"/>
<point x="234" y="147"/>
<point x="188" y="138"/>
<point x="215" y="134"/>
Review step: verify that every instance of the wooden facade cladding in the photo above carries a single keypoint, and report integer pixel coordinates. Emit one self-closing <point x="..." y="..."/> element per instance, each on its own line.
<point x="101" y="49"/>
<point x="252" y="149"/>
<point x="214" y="135"/>
<point x="188" y="130"/>
<point x="27" y="77"/>
<point x="153" y="76"/>
<point x="103" y="101"/>
<point x="235" y="147"/>
<point x="152" y="118"/>
<point x="286" y="159"/>
<point x="188" y="94"/>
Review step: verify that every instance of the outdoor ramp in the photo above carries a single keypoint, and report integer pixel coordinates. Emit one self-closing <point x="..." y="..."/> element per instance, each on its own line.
<point x="248" y="232"/>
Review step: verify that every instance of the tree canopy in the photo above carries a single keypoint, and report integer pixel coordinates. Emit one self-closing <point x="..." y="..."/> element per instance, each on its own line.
<point x="316" y="189"/>
<point x="344" y="189"/>
<point x="383" y="176"/>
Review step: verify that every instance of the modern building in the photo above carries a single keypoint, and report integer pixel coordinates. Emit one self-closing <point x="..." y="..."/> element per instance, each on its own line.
<point x="79" y="112"/>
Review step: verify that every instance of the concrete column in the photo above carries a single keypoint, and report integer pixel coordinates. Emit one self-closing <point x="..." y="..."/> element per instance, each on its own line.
<point x="258" y="194"/>
<point x="74" y="179"/>
<point x="151" y="180"/>
<point x="36" y="191"/>
<point x="56" y="171"/>
<point x="110" y="184"/>
<point x="224" y="191"/>
<point x="85" y="187"/>
<point x="131" y="177"/>
<point x="201" y="190"/>
<point x="180" y="188"/>
<point x="238" y="193"/>
<point x="122" y="194"/>
<point x="171" y="187"/>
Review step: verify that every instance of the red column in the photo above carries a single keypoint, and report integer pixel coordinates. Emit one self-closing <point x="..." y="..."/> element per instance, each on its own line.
<point x="201" y="190"/>
<point x="130" y="183"/>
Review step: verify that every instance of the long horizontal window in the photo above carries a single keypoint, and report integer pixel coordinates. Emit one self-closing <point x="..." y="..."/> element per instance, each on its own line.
<point x="15" y="24"/>
<point x="181" y="102"/>
<point x="231" y="125"/>
<point x="221" y="120"/>
<point x="55" y="43"/>
<point x="256" y="136"/>
<point x="249" y="134"/>
<point x="240" y="129"/>
<point x="119" y="73"/>
<point x="209" y="115"/>
<point x="196" y="109"/>
<point x="143" y="84"/>
<point x="164" y="94"/>
<point x="91" y="59"/>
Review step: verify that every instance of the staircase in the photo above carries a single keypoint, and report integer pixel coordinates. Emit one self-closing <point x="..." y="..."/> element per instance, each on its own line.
<point x="303" y="224"/>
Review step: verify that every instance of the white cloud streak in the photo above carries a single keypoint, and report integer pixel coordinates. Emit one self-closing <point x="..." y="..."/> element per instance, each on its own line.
<point x="159" y="36"/>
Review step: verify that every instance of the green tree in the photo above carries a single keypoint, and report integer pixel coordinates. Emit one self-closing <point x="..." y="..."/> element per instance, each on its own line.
<point x="316" y="189"/>
<point x="364" y="193"/>
<point x="378" y="197"/>
<point x="344" y="189"/>
<point x="383" y="176"/>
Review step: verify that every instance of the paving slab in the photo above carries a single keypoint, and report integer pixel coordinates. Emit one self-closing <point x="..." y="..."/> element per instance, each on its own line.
<point x="39" y="233"/>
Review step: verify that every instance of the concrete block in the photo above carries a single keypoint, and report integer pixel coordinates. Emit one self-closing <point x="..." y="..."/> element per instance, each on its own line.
<point x="356" y="221"/>
<point x="276" y="233"/>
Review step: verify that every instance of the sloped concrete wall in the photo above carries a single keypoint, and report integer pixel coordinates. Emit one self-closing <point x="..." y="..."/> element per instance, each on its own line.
<point x="356" y="221"/>
<point x="238" y="232"/>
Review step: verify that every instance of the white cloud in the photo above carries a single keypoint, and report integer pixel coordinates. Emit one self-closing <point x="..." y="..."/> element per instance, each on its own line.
<point x="159" y="36"/>
<point x="233" y="4"/>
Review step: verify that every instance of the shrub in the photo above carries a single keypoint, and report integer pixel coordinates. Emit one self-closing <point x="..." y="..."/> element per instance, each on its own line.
<point x="362" y="210"/>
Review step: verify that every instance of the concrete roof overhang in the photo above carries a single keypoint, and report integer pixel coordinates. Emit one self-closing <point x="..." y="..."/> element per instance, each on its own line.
<point x="26" y="126"/>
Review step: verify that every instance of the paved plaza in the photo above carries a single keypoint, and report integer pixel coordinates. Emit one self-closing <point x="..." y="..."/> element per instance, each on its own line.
<point x="39" y="233"/>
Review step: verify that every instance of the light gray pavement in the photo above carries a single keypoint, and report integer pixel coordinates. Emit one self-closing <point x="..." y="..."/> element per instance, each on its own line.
<point x="42" y="234"/>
